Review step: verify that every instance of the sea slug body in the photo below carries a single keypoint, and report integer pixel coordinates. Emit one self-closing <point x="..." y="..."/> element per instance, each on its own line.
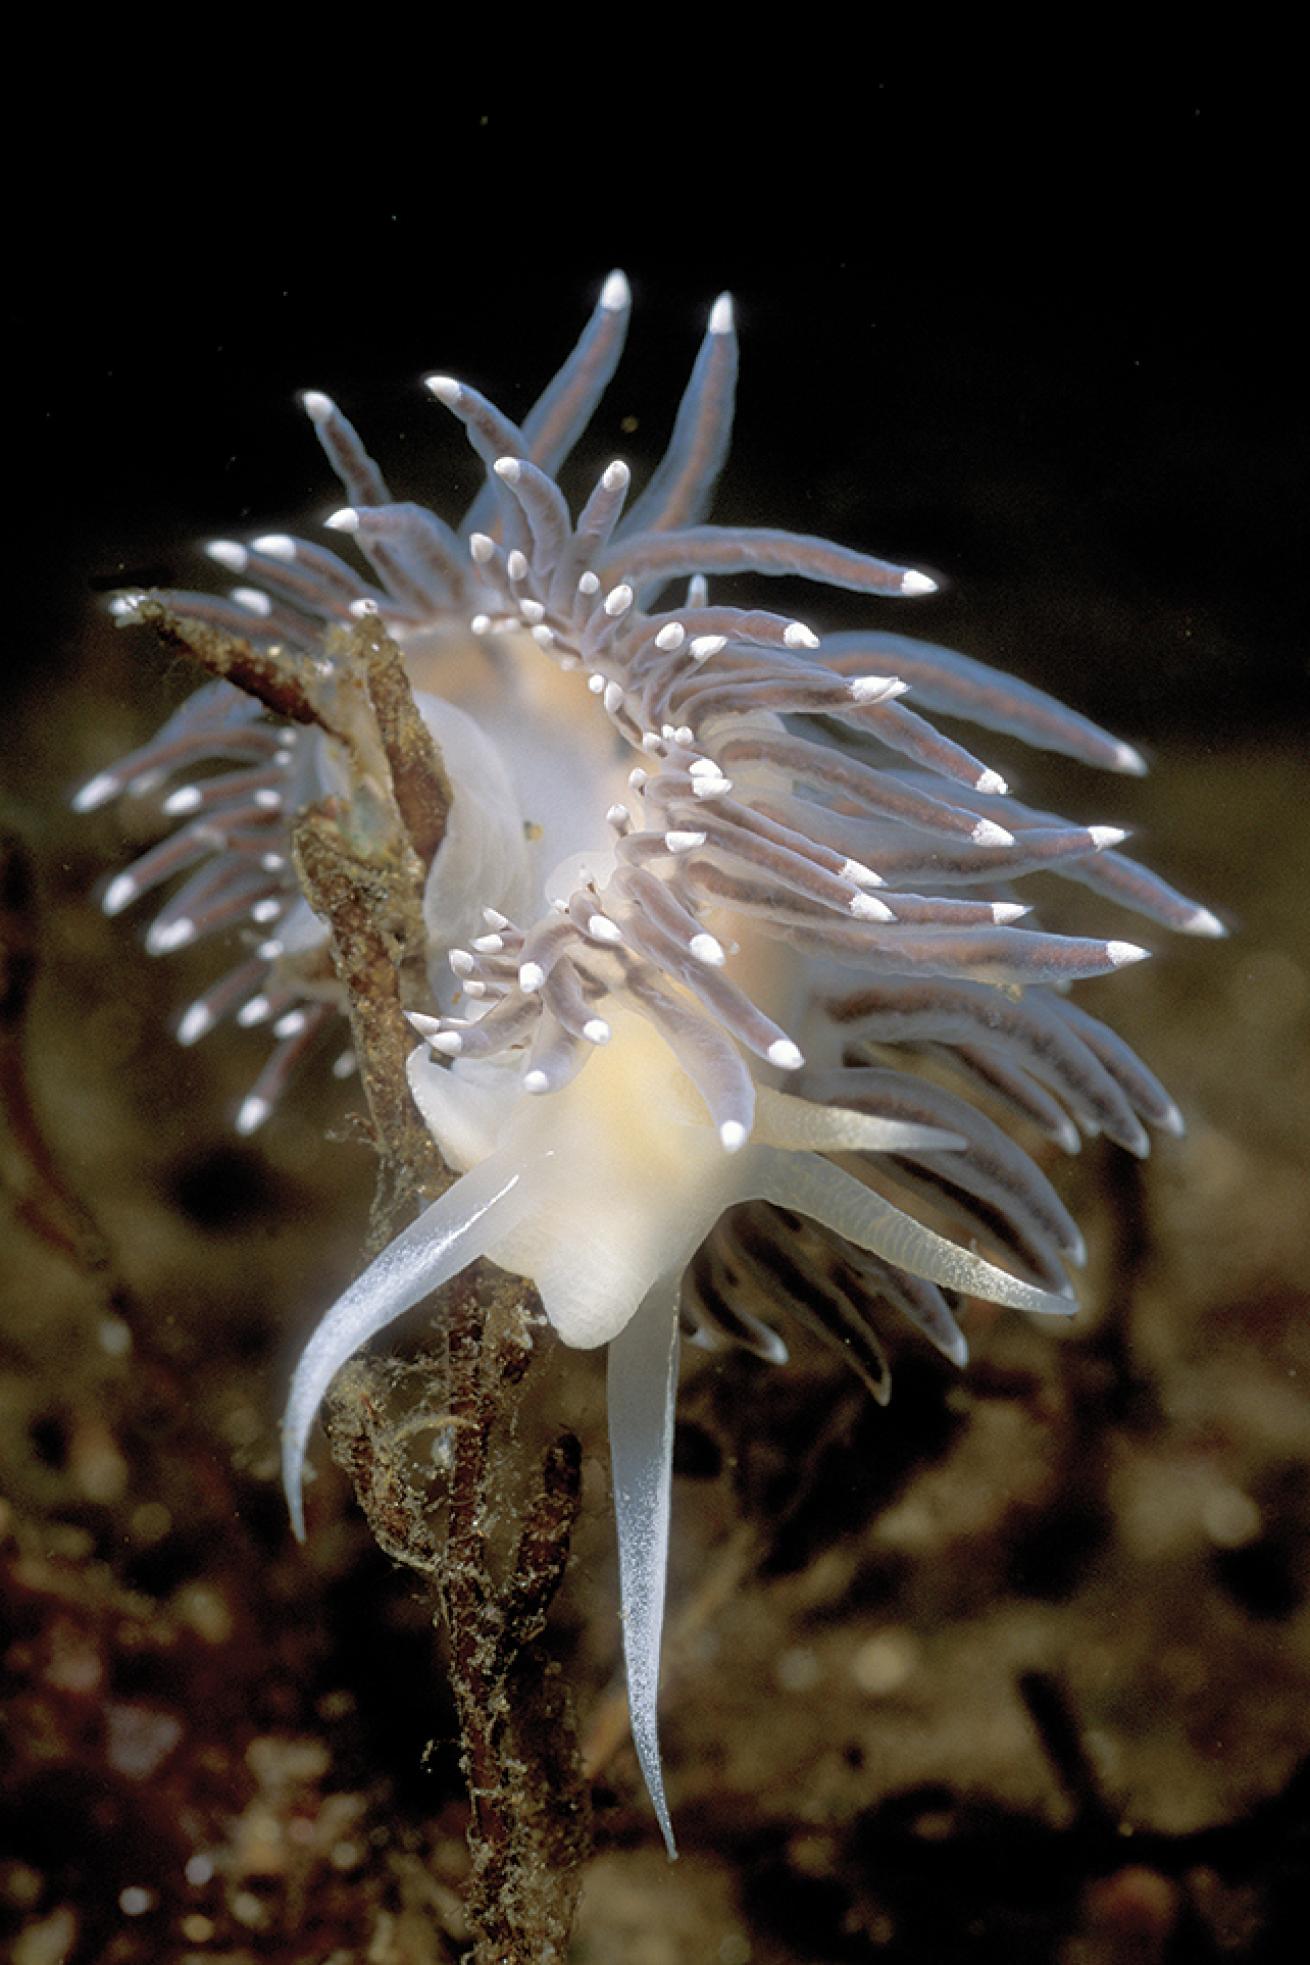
<point x="711" y="885"/>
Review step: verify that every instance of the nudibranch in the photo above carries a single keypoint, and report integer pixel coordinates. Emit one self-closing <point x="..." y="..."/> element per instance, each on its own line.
<point x="723" y="942"/>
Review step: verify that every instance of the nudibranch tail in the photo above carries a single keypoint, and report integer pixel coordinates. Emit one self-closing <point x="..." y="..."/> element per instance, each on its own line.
<point x="642" y="1383"/>
<point x="693" y="851"/>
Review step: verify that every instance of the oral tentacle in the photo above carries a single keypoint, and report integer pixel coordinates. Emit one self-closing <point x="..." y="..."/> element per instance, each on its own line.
<point x="479" y="1209"/>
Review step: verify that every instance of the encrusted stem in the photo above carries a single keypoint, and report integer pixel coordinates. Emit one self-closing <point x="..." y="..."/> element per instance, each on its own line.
<point x="285" y="682"/>
<point x="355" y="894"/>
<point x="418" y="775"/>
<point x="529" y="1828"/>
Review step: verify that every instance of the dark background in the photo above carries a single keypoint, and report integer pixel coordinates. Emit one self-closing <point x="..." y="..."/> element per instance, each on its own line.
<point x="1048" y="342"/>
